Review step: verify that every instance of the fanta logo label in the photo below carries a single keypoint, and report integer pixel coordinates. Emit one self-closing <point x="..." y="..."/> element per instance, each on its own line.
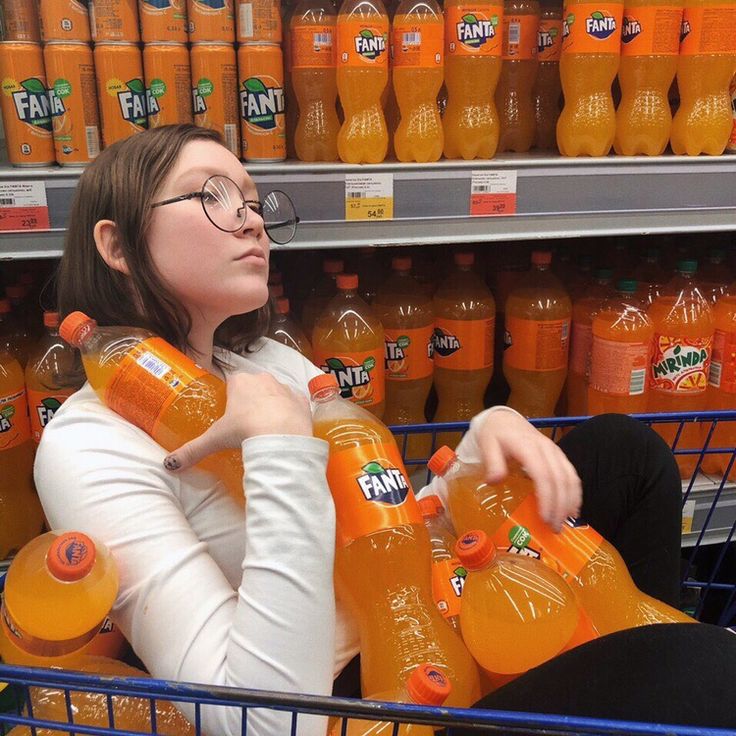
<point x="133" y="102"/>
<point x="56" y="104"/>
<point x="349" y="377"/>
<point x="525" y="552"/>
<point x="6" y="414"/>
<point x="199" y="104"/>
<point x="385" y="485"/>
<point x="259" y="104"/>
<point x="684" y="30"/>
<point x="520" y="536"/>
<point x="457" y="581"/>
<point x="107" y="626"/>
<point x="152" y="106"/>
<point x="474" y="32"/>
<point x="566" y="23"/>
<point x="396" y="351"/>
<point x="10" y="624"/>
<point x="445" y="343"/>
<point x="631" y="29"/>
<point x="72" y="552"/>
<point x="546" y="39"/>
<point x="369" y="45"/>
<point x="32" y="104"/>
<point x="46" y="411"/>
<point x="600" y="26"/>
<point x="678" y="358"/>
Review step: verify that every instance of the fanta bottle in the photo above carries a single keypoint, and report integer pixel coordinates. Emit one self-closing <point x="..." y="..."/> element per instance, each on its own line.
<point x="621" y="349"/>
<point x="514" y="94"/>
<point x="284" y="329"/>
<point x="314" y="78"/>
<point x="464" y="323"/>
<point x="417" y="48"/>
<point x="650" y="42"/>
<point x="370" y="274"/>
<point x="473" y="41"/>
<point x="591" y="49"/>
<point x="408" y="321"/>
<point x="507" y="512"/>
<point x="683" y="343"/>
<point x="650" y="276"/>
<point x="323" y="291"/>
<point x="714" y="276"/>
<point x="536" y="339"/>
<point x="547" y="90"/>
<point x="348" y="341"/>
<point x="362" y="75"/>
<point x="706" y="65"/>
<point x="155" y="387"/>
<point x="14" y="336"/>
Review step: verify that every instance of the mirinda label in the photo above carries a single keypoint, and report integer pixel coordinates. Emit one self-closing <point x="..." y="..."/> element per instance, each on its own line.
<point x="42" y="405"/>
<point x="418" y="45"/>
<point x="448" y="580"/>
<point x="463" y="345"/>
<point x="408" y="353"/>
<point x="312" y="47"/>
<point x="723" y="366"/>
<point x="474" y="30"/>
<point x="619" y="368"/>
<point x="371" y="490"/>
<point x="520" y="37"/>
<point x="532" y="345"/>
<point x="708" y="30"/>
<point x="680" y="364"/>
<point x="651" y="31"/>
<point x="549" y="40"/>
<point x="361" y="44"/>
<point x="360" y="375"/>
<point x="15" y="428"/>
<point x="592" y="28"/>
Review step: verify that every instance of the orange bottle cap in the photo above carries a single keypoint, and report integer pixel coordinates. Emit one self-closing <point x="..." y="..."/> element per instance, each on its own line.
<point x="274" y="277"/>
<point x="282" y="305"/>
<point x="464" y="259"/>
<point x="320" y="383"/>
<point x="475" y="550"/>
<point x="275" y="290"/>
<point x="430" y="506"/>
<point x="428" y="685"/>
<point x="440" y="461"/>
<point x="333" y="265"/>
<point x="15" y="292"/>
<point x="347" y="281"/>
<point x="5" y="307"/>
<point x="51" y="319"/>
<point x="541" y="257"/>
<point x="74" y="327"/>
<point x="401" y="263"/>
<point x="71" y="556"/>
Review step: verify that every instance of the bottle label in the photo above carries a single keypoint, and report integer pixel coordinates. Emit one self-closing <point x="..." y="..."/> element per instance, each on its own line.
<point x="148" y="380"/>
<point x="15" y="429"/>
<point x="474" y="30"/>
<point x="362" y="44"/>
<point x="42" y="405"/>
<point x="371" y="490"/>
<point x="708" y="30"/>
<point x="549" y="40"/>
<point x="359" y="375"/>
<point x="520" y="37"/>
<point x="463" y="345"/>
<point x="592" y="28"/>
<point x="448" y="579"/>
<point x="409" y="354"/>
<point x="418" y="45"/>
<point x="651" y="31"/>
<point x="619" y="368"/>
<point x="582" y="339"/>
<point x="680" y="364"/>
<point x="312" y="47"/>
<point x="536" y="345"/>
<point x="723" y="367"/>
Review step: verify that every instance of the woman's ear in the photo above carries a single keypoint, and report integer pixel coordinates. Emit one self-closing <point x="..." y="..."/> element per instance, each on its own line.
<point x="108" y="246"/>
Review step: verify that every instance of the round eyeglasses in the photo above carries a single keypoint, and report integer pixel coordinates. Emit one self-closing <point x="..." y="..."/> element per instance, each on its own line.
<point x="226" y="208"/>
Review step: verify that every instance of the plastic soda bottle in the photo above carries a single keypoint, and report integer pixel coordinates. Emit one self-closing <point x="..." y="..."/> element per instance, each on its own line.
<point x="370" y="273"/>
<point x="314" y="79"/>
<point x="650" y="42"/>
<point x="650" y="276"/>
<point x="703" y="122"/>
<point x="362" y="75"/>
<point x="683" y="343"/>
<point x="591" y="41"/>
<point x="348" y="341"/>
<point x="417" y="53"/>
<point x="155" y="387"/>
<point x="514" y="93"/>
<point x="382" y="553"/>
<point x="621" y="349"/>
<point x="507" y="512"/>
<point x="284" y="329"/>
<point x="714" y="276"/>
<point x="536" y="339"/>
<point x="465" y="316"/>
<point x="473" y="40"/>
<point x="408" y="322"/>
<point x="324" y="290"/>
<point x="13" y="339"/>
<point x="547" y="89"/>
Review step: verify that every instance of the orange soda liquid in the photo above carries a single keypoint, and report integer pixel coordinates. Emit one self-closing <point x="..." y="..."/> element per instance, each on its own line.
<point x="714" y="276"/>
<point x="588" y="65"/>
<point x="514" y="94"/>
<point x="547" y="90"/>
<point x="382" y="556"/>
<point x="322" y="293"/>
<point x="284" y="329"/>
<point x="650" y="42"/>
<point x="156" y="388"/>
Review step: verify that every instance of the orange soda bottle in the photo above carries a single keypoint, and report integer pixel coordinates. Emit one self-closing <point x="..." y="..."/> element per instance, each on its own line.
<point x="465" y="316"/>
<point x="706" y="65"/>
<point x="314" y="79"/>
<point x="348" y="341"/>
<point x="547" y="89"/>
<point x="408" y="322"/>
<point x="650" y="42"/>
<point x="714" y="276"/>
<point x="284" y="329"/>
<point x="683" y="343"/>
<point x="507" y="512"/>
<point x="12" y="338"/>
<point x="514" y="94"/>
<point x="417" y="53"/>
<point x="382" y="554"/>
<point x="323" y="291"/>
<point x="621" y="349"/>
<point x="536" y="339"/>
<point x="591" y="41"/>
<point x="370" y="273"/>
<point x="650" y="276"/>
<point x="362" y="75"/>
<point x="155" y="387"/>
<point x="473" y="40"/>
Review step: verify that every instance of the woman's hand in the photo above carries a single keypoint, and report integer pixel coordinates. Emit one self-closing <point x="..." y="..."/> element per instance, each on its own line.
<point x="506" y="434"/>
<point x="256" y="404"/>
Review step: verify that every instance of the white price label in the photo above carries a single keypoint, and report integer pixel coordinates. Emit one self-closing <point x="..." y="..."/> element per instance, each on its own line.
<point x="369" y="196"/>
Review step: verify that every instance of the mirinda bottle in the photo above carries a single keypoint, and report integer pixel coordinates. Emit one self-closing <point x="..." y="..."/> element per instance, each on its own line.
<point x="650" y="42"/>
<point x="362" y="76"/>
<point x="591" y="49"/>
<point x="156" y="387"/>
<point x="417" y="54"/>
<point x="473" y="40"/>
<point x="284" y="329"/>
<point x="507" y="512"/>
<point x="547" y="90"/>
<point x="382" y="554"/>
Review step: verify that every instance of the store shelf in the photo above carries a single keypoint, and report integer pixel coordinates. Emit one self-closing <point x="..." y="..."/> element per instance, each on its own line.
<point x="556" y="198"/>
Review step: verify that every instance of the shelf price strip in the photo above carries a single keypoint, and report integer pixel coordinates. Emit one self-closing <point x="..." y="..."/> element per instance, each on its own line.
<point x="23" y="206"/>
<point x="369" y="196"/>
<point x="492" y="193"/>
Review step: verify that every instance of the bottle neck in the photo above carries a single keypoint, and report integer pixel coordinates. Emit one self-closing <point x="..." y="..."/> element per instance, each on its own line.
<point x="326" y="394"/>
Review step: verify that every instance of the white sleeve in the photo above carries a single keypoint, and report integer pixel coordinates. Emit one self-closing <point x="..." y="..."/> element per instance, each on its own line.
<point x="182" y="617"/>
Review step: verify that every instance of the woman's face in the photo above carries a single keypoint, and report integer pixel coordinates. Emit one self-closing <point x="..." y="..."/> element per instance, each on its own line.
<point x="214" y="274"/>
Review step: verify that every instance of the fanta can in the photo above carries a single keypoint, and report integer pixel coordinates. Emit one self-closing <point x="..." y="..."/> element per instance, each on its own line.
<point x="547" y="90"/>
<point x="348" y="341"/>
<point x="382" y="553"/>
<point x="163" y="20"/>
<point x="322" y="293"/>
<point x="114" y="20"/>
<point x="19" y="21"/>
<point x="284" y="329"/>
<point x="258" y="21"/>
<point x="211" y="20"/>
<point x="168" y="83"/>
<point x="64" y="20"/>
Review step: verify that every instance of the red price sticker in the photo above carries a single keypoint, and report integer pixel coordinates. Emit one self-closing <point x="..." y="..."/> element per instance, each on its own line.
<point x="23" y="206"/>
<point x="493" y="193"/>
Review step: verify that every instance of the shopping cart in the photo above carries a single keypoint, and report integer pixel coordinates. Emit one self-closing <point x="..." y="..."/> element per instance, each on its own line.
<point x="709" y="521"/>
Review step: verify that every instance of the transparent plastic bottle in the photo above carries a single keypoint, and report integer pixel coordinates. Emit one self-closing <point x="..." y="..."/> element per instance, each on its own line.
<point x="324" y="290"/>
<point x="714" y="276"/>
<point x="284" y="329"/>
<point x="650" y="276"/>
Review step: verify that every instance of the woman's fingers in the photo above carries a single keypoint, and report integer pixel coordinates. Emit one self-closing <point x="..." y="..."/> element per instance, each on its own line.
<point x="212" y="440"/>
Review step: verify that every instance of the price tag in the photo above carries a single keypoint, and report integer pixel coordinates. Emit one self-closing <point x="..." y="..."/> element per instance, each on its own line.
<point x="369" y="196"/>
<point x="493" y="193"/>
<point x="688" y="514"/>
<point x="23" y="206"/>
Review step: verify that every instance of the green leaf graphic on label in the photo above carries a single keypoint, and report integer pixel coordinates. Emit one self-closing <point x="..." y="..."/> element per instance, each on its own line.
<point x="470" y="18"/>
<point x="335" y="364"/>
<point x="158" y="88"/>
<point x="570" y="19"/>
<point x="494" y="20"/>
<point x="553" y="32"/>
<point x="373" y="468"/>
<point x="519" y="536"/>
<point x="366" y="33"/>
<point x="461" y="572"/>
<point x="34" y="86"/>
<point x="677" y="350"/>
<point x="7" y="412"/>
<point x="254" y="85"/>
<point x="369" y="364"/>
<point x="597" y="15"/>
<point x="62" y="88"/>
<point x="403" y="342"/>
<point x="205" y="87"/>
<point x="136" y="85"/>
<point x="51" y="403"/>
